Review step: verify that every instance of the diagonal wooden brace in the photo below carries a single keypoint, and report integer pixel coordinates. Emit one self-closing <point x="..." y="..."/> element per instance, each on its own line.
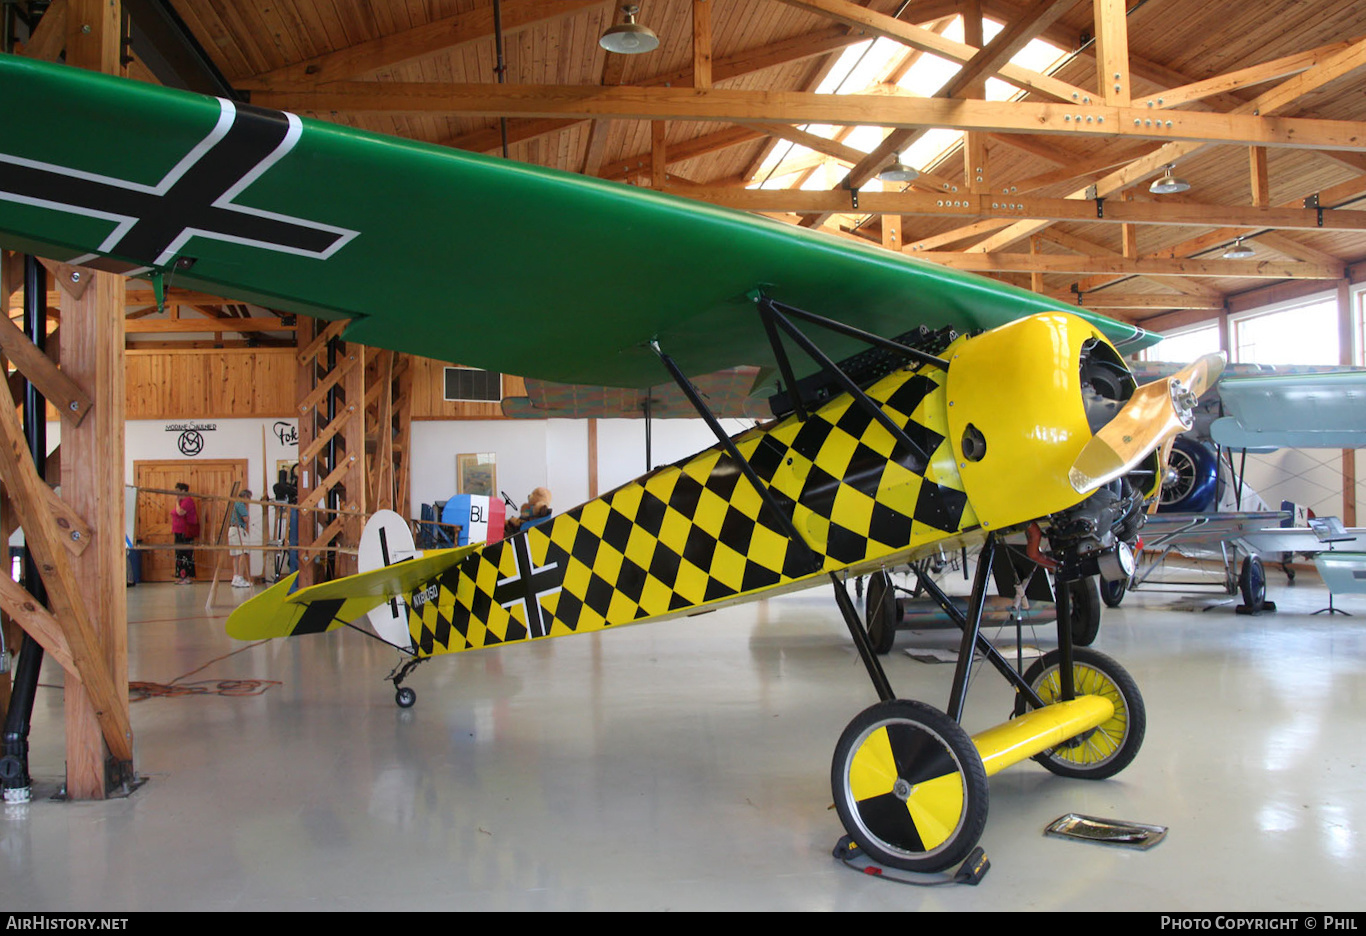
<point x="71" y="401"/>
<point x="28" y="492"/>
<point x="37" y="622"/>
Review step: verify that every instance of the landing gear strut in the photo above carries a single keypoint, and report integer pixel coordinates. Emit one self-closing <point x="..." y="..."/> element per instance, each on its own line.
<point x="404" y="697"/>
<point x="910" y="785"/>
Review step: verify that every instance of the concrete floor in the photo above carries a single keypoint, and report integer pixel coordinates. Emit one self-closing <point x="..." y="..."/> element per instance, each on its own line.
<point x="684" y="766"/>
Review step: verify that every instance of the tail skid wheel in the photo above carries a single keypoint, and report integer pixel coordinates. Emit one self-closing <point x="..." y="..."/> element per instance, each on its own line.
<point x="909" y="786"/>
<point x="1108" y="748"/>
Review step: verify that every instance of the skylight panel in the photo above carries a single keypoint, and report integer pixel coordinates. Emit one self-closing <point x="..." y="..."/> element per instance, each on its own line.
<point x="859" y="70"/>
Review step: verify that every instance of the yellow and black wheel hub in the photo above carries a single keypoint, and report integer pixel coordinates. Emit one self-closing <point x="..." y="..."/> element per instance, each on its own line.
<point x="909" y="786"/>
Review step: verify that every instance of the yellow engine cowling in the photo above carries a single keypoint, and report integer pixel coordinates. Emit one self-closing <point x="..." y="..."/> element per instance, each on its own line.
<point x="1016" y="416"/>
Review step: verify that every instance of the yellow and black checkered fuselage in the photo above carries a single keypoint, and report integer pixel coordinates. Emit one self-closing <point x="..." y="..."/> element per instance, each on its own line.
<point x="696" y="534"/>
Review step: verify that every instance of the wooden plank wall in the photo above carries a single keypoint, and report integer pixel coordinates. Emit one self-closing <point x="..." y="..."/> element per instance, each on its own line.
<point x="223" y="383"/>
<point x="211" y="383"/>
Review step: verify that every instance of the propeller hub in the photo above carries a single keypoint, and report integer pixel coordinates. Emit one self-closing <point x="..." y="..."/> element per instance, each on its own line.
<point x="1184" y="401"/>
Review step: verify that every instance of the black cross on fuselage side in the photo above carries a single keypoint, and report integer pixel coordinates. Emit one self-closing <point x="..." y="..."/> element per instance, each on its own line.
<point x="155" y="222"/>
<point x="528" y="585"/>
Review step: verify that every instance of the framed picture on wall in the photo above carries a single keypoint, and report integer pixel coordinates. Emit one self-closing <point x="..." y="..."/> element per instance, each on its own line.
<point x="477" y="473"/>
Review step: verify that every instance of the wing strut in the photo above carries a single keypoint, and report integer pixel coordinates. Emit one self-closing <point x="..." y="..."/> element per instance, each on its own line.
<point x="850" y="331"/>
<point x="984" y="646"/>
<point x="814" y="562"/>
<point x="772" y="312"/>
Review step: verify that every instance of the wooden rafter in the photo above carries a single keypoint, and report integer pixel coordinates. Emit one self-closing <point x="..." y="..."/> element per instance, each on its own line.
<point x="441" y="35"/>
<point x="1190" y="129"/>
<point x="1046" y="209"/>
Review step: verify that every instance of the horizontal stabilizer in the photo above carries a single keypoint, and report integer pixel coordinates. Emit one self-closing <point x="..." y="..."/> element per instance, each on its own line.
<point x="278" y="612"/>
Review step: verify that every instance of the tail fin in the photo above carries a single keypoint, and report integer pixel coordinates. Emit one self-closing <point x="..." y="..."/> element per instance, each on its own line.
<point x="280" y="611"/>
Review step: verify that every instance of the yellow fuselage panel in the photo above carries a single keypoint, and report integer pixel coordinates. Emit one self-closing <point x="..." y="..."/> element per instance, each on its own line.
<point x="696" y="534"/>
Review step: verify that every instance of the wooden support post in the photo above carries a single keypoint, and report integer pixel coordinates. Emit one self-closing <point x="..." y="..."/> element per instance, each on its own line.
<point x="353" y="452"/>
<point x="1346" y="355"/>
<point x="891" y="232"/>
<point x="93" y="471"/>
<point x="1128" y="233"/>
<point x="659" y="158"/>
<point x="701" y="43"/>
<point x="403" y="433"/>
<point x="1261" y="183"/>
<point x="1035" y="279"/>
<point x="332" y="463"/>
<point x="975" y="177"/>
<point x="380" y="427"/>
<point x="1112" y="52"/>
<point x="305" y="377"/>
<point x="92" y="484"/>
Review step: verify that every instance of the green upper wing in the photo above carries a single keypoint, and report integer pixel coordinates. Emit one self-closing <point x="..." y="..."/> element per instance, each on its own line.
<point x="430" y="250"/>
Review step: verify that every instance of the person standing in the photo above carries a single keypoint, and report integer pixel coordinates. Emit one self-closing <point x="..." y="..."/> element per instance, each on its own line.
<point x="237" y="539"/>
<point x="185" y="527"/>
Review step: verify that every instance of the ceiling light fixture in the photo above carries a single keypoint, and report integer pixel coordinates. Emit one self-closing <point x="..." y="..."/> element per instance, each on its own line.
<point x="1169" y="184"/>
<point x="629" y="38"/>
<point x="1239" y="251"/>
<point x="897" y="171"/>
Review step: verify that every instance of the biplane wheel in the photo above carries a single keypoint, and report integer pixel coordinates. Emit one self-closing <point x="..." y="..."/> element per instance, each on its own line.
<point x="1108" y="748"/>
<point x="405" y="697"/>
<point x="883" y="612"/>
<point x="1252" y="583"/>
<point x="1112" y="593"/>
<point x="1191" y="479"/>
<point x="1085" y="606"/>
<point x="909" y="786"/>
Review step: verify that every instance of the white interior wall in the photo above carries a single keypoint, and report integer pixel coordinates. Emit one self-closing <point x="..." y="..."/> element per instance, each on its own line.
<point x="262" y="442"/>
<point x="550" y="453"/>
<point x="520" y="446"/>
<point x="1312" y="477"/>
<point x="621" y="445"/>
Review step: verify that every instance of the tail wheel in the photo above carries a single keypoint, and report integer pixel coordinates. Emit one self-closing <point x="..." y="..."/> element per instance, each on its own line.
<point x="909" y="786"/>
<point x="1109" y="747"/>
<point x="882" y="612"/>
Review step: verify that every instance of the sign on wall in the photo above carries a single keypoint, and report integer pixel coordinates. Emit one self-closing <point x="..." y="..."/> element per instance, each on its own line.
<point x="190" y="442"/>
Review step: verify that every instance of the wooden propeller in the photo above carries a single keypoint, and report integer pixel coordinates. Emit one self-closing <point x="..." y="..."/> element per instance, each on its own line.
<point x="1157" y="411"/>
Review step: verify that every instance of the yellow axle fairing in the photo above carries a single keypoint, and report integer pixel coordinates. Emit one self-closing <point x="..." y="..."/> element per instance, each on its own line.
<point x="1035" y="732"/>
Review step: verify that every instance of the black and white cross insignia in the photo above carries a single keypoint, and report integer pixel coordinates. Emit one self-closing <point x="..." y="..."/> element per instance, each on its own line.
<point x="196" y="198"/>
<point x="528" y="586"/>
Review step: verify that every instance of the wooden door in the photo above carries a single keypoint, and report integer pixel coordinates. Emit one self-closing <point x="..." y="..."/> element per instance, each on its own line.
<point x="153" y="527"/>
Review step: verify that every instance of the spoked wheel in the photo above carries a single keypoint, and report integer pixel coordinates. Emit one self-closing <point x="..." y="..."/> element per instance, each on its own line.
<point x="909" y="786"/>
<point x="1191" y="479"/>
<point x="1108" y="748"/>
<point x="1252" y="583"/>
<point x="882" y="612"/>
